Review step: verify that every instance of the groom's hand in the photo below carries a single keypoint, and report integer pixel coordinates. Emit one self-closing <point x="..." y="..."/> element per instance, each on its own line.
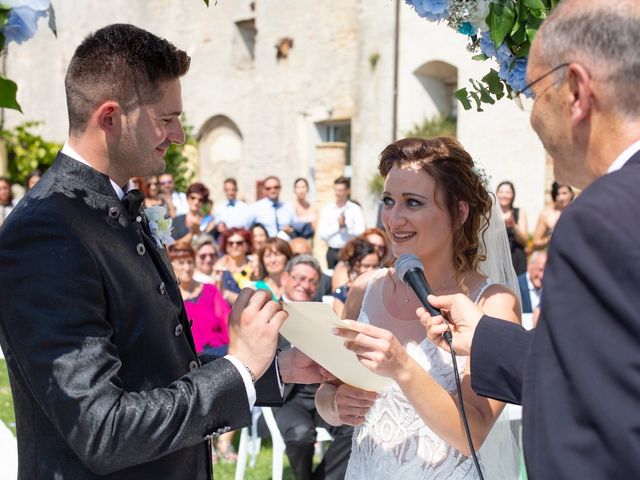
<point x="253" y="329"/>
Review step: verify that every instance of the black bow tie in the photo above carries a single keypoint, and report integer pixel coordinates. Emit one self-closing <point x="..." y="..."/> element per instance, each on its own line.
<point x="132" y="202"/>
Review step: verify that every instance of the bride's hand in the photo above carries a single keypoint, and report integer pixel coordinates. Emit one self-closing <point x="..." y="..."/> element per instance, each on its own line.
<point x="352" y="404"/>
<point x="377" y="349"/>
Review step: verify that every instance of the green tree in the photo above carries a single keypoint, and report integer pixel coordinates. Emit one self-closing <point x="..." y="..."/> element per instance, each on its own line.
<point x="438" y="126"/>
<point x="27" y="151"/>
<point x="177" y="158"/>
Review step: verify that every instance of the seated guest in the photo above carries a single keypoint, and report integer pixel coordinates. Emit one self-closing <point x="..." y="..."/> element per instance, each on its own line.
<point x="208" y="313"/>
<point x="33" y="178"/>
<point x="194" y="222"/>
<point x="380" y="241"/>
<point x="7" y="201"/>
<point x="207" y="255"/>
<point x="259" y="235"/>
<point x="300" y="246"/>
<point x="531" y="282"/>
<point x="298" y="418"/>
<point x="152" y="198"/>
<point x="236" y="265"/>
<point x="359" y="256"/>
<point x="272" y="258"/>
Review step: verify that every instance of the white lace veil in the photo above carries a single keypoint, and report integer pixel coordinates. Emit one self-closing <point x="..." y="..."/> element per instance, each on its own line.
<point x="499" y="455"/>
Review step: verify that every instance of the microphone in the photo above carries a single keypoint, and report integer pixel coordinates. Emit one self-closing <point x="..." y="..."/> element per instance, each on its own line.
<point x="410" y="271"/>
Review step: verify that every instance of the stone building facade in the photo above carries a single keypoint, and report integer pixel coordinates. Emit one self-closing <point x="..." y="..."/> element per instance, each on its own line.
<point x="295" y="88"/>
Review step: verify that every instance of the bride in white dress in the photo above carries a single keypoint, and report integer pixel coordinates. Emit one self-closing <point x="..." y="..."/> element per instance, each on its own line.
<point x="436" y="207"/>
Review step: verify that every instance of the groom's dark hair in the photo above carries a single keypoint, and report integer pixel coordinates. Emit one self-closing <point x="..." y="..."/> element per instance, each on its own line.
<point x="122" y="63"/>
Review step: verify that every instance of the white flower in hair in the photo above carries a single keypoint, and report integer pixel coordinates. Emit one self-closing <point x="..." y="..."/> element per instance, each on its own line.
<point x="483" y="175"/>
<point x="159" y="225"/>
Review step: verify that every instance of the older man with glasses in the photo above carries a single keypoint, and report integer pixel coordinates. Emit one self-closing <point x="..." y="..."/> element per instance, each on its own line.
<point x="298" y="418"/>
<point x="576" y="375"/>
<point x="276" y="216"/>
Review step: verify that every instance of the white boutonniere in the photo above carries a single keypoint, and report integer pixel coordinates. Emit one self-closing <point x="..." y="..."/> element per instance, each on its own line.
<point x="159" y="225"/>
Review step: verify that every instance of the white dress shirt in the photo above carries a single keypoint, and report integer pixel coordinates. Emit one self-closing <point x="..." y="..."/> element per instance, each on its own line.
<point x="234" y="214"/>
<point x="329" y="229"/>
<point x="534" y="293"/>
<point x="624" y="157"/>
<point x="264" y="212"/>
<point x="180" y="203"/>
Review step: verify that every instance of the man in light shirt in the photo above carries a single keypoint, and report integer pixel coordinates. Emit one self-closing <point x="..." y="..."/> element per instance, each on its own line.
<point x="275" y="215"/>
<point x="169" y="193"/>
<point x="232" y="213"/>
<point x="340" y="221"/>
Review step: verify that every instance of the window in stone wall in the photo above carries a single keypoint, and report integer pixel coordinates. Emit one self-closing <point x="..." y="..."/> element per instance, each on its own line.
<point x="336" y="131"/>
<point x="245" y="42"/>
<point x="439" y="81"/>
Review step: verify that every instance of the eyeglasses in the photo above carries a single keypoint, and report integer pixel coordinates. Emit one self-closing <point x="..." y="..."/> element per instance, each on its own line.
<point x="519" y="96"/>
<point x="231" y="243"/>
<point x="302" y="279"/>
<point x="275" y="187"/>
<point x="203" y="256"/>
<point x="196" y="198"/>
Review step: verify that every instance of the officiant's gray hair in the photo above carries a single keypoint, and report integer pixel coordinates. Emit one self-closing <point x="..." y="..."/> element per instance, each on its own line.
<point x="604" y="36"/>
<point x="303" y="259"/>
<point x="122" y="63"/>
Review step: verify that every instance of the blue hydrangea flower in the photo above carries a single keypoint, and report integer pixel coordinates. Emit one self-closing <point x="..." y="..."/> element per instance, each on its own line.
<point x="430" y="9"/>
<point x="23" y="18"/>
<point x="467" y="29"/>
<point x="517" y="75"/>
<point x="486" y="45"/>
<point x="504" y="54"/>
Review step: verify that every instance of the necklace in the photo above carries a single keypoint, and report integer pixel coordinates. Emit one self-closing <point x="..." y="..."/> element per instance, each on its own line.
<point x="407" y="297"/>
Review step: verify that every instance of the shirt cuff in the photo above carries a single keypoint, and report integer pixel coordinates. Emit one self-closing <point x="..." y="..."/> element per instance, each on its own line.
<point x="280" y="384"/>
<point x="246" y="378"/>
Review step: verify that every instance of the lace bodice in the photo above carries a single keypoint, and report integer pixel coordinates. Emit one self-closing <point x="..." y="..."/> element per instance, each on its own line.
<point x="394" y="442"/>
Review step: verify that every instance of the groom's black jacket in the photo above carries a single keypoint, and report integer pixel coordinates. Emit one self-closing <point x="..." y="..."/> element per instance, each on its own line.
<point x="578" y="375"/>
<point x="103" y="370"/>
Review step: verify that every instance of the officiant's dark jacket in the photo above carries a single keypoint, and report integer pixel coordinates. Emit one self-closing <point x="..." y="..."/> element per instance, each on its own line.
<point x="104" y="375"/>
<point x="578" y="375"/>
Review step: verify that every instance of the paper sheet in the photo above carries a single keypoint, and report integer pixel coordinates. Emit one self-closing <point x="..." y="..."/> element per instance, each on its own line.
<point x="309" y="327"/>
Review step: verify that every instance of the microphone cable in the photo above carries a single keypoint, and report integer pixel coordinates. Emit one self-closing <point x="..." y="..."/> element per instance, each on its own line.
<point x="463" y="414"/>
<point x="408" y="267"/>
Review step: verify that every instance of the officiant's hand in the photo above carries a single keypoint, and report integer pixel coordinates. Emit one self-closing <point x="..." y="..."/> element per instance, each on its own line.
<point x="296" y="367"/>
<point x="352" y="404"/>
<point x="253" y="329"/>
<point x="463" y="316"/>
<point x="376" y="348"/>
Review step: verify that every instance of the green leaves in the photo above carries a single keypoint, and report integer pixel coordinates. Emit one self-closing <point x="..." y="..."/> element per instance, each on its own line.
<point x="27" y="151"/>
<point x="8" y="90"/>
<point x="513" y="23"/>
<point x="488" y="90"/>
<point x="501" y="20"/>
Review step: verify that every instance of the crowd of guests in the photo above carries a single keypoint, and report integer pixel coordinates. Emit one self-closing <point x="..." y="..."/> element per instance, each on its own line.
<point x="221" y="249"/>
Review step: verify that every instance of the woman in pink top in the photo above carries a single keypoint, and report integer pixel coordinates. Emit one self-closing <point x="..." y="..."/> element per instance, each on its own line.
<point x="208" y="312"/>
<point x="206" y="308"/>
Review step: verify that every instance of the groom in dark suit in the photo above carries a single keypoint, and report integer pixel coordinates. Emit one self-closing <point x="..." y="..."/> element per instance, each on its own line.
<point x="104" y="374"/>
<point x="577" y="375"/>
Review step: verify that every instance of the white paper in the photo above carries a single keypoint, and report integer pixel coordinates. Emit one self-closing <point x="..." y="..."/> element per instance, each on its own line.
<point x="309" y="327"/>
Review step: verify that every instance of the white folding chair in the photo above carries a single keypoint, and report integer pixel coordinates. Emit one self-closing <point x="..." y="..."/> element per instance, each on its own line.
<point x="250" y="444"/>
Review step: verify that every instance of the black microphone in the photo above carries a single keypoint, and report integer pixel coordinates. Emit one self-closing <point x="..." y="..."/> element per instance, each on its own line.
<point x="409" y="270"/>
